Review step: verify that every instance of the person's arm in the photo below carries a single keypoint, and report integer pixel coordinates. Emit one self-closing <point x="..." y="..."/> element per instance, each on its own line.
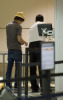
<point x="20" y="39"/>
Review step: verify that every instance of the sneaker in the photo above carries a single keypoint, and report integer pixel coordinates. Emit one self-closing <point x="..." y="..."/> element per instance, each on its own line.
<point x="15" y="87"/>
<point x="35" y="90"/>
<point x="9" y="86"/>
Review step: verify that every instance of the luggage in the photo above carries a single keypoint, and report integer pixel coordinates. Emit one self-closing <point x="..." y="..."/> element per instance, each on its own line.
<point x="7" y="94"/>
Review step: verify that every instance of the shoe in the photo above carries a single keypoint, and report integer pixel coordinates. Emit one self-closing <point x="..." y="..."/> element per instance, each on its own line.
<point x="41" y="93"/>
<point x="9" y="86"/>
<point x="15" y="87"/>
<point x="40" y="90"/>
<point x="35" y="90"/>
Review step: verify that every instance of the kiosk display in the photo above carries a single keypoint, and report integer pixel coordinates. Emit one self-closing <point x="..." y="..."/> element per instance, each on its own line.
<point x="47" y="55"/>
<point x="45" y="29"/>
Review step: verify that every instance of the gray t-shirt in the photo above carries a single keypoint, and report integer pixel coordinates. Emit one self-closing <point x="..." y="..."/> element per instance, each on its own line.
<point x="13" y="29"/>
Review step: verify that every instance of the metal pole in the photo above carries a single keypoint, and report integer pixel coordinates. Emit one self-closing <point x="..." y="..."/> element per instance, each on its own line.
<point x="26" y="72"/>
<point x="19" y="70"/>
<point x="46" y="83"/>
<point x="3" y="66"/>
<point x="23" y="70"/>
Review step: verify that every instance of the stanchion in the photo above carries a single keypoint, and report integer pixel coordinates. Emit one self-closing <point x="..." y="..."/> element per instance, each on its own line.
<point x="19" y="70"/>
<point x="26" y="72"/>
<point x="23" y="69"/>
<point x="46" y="83"/>
<point x="3" y="66"/>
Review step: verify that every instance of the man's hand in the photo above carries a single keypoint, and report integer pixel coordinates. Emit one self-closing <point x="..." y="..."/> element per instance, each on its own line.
<point x="26" y="43"/>
<point x="20" y="39"/>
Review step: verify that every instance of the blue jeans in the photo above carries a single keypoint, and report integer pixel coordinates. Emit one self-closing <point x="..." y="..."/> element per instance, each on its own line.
<point x="13" y="55"/>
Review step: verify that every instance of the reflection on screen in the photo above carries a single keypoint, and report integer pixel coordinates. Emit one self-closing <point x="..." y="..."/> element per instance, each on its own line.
<point x="43" y="28"/>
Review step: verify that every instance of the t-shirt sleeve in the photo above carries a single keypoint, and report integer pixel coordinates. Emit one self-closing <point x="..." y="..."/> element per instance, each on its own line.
<point x="19" y="30"/>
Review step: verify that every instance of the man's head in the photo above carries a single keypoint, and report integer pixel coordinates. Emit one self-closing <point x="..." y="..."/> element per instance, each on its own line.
<point x="39" y="17"/>
<point x="19" y="16"/>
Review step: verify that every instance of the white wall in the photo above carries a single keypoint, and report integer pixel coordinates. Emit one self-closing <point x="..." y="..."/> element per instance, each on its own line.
<point x="59" y="44"/>
<point x="31" y="8"/>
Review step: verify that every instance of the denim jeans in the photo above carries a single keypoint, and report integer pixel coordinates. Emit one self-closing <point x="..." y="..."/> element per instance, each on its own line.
<point x="13" y="55"/>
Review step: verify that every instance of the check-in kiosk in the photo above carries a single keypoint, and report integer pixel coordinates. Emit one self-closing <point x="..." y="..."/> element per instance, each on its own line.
<point x="47" y="55"/>
<point x="47" y="64"/>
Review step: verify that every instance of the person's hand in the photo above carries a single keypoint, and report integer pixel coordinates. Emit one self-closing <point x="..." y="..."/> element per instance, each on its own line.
<point x="26" y="43"/>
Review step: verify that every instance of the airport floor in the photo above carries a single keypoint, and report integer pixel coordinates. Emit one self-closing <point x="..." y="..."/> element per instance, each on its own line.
<point x="30" y="93"/>
<point x="7" y="94"/>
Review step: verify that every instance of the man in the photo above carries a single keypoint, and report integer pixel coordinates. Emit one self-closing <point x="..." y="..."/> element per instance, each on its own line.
<point x="14" y="42"/>
<point x="34" y="42"/>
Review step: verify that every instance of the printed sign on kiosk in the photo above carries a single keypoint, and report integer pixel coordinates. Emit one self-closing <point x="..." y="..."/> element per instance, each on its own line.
<point x="47" y="55"/>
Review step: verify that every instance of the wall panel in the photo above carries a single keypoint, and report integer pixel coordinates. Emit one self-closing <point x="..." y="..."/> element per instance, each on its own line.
<point x="31" y="8"/>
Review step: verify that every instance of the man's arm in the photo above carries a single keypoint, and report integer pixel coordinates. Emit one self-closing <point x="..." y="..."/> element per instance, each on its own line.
<point x="20" y="39"/>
